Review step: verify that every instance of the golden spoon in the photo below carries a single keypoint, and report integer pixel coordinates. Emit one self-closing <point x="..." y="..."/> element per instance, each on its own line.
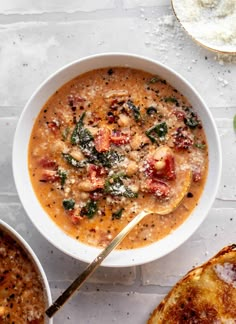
<point x="80" y="280"/>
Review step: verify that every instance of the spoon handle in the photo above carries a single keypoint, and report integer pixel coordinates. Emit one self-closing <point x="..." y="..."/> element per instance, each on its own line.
<point x="79" y="281"/>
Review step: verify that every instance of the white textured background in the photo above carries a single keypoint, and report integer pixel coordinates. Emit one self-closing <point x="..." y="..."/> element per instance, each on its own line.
<point x="38" y="37"/>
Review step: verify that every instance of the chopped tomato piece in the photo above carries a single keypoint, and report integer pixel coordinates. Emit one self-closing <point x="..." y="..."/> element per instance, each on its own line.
<point x="49" y="176"/>
<point x="47" y="163"/>
<point x="169" y="172"/>
<point x="164" y="168"/>
<point x="111" y="118"/>
<point x="75" y="216"/>
<point x="180" y="115"/>
<point x="182" y="138"/>
<point x="157" y="187"/>
<point x="197" y="175"/>
<point x="74" y="99"/>
<point x="149" y="167"/>
<point x="98" y="183"/>
<point x="95" y="171"/>
<point x="53" y="126"/>
<point x="102" y="140"/>
<point x="118" y="138"/>
<point x="96" y="176"/>
<point x="116" y="103"/>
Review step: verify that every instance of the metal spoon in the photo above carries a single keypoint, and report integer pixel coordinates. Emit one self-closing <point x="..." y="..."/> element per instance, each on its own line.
<point x="80" y="280"/>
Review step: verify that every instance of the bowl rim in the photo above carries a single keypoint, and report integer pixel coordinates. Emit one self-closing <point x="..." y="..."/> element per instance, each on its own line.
<point x="33" y="258"/>
<point x="119" y="258"/>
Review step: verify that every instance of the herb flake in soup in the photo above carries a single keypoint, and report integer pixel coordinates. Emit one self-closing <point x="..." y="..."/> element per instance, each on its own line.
<point x="111" y="142"/>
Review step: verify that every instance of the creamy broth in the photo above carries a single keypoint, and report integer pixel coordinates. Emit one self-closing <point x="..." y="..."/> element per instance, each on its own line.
<point x="108" y="144"/>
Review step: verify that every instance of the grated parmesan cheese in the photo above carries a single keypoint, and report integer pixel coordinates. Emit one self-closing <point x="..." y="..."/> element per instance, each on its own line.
<point x="208" y="3"/>
<point x="211" y="22"/>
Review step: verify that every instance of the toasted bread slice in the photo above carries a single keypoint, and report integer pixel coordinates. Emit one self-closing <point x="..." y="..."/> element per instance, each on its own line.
<point x="207" y="294"/>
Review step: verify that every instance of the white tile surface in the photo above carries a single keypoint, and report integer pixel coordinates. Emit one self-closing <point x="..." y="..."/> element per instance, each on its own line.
<point x="32" y="50"/>
<point x="144" y="4"/>
<point x="108" y="307"/>
<point x="42" y="6"/>
<point x="38" y="37"/>
<point x="217" y="231"/>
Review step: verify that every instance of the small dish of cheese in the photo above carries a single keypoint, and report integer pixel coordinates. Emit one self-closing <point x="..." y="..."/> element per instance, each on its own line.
<point x="212" y="23"/>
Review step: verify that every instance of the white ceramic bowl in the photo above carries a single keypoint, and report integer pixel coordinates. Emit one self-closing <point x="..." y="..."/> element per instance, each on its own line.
<point x="33" y="258"/>
<point x="118" y="258"/>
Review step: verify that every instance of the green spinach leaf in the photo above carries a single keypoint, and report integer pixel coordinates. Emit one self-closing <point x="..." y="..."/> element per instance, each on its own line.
<point x="117" y="214"/>
<point x="157" y="132"/>
<point x="75" y="134"/>
<point x="63" y="176"/>
<point x="171" y="100"/>
<point x="154" y="79"/>
<point x="114" y="186"/>
<point x="89" y="209"/>
<point x="85" y="140"/>
<point x="72" y="161"/>
<point x="68" y="204"/>
<point x="135" y="110"/>
<point x="191" y="119"/>
<point x="151" y="111"/>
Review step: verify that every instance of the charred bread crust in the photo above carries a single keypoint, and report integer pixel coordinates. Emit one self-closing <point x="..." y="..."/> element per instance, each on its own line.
<point x="187" y="312"/>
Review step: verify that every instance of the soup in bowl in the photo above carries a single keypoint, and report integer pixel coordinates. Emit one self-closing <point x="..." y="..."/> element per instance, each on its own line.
<point x="105" y="138"/>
